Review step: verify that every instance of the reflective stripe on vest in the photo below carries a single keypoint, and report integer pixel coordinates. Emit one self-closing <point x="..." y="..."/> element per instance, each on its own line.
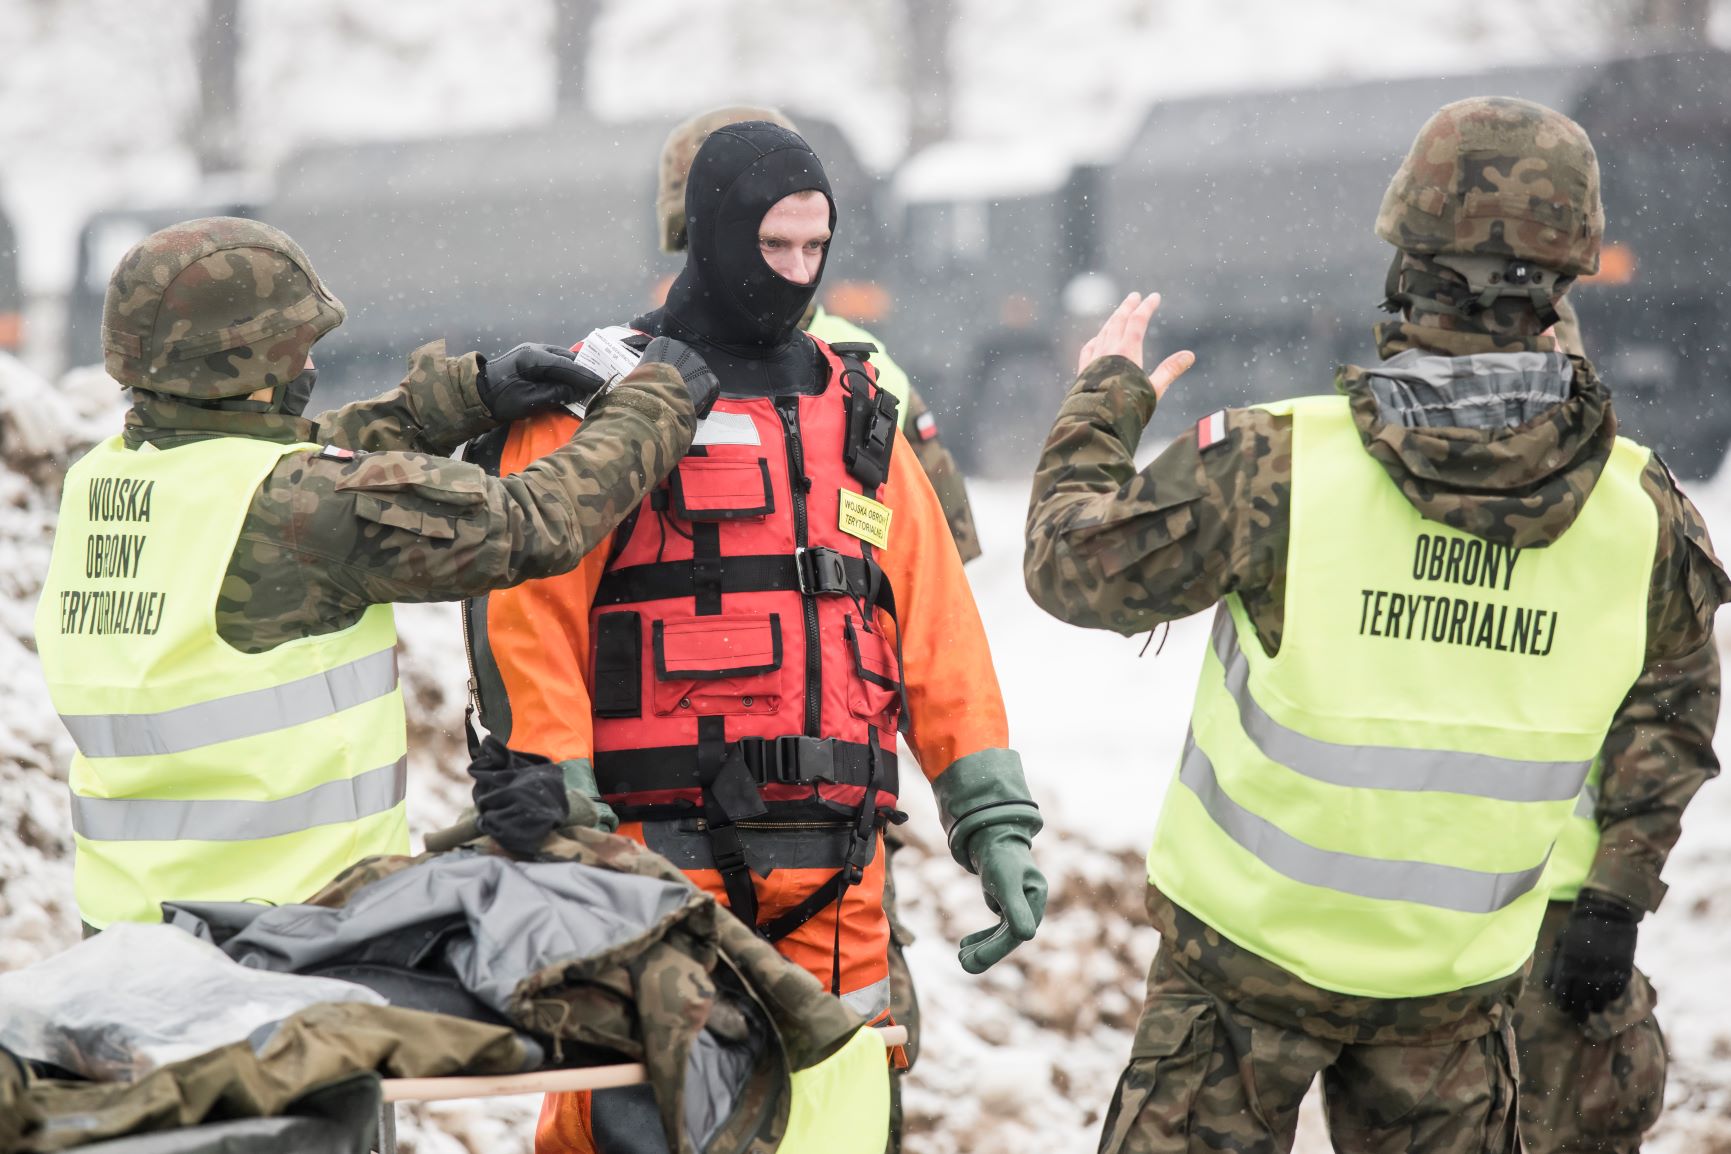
<point x="869" y="1002"/>
<point x="204" y="773"/>
<point x="1374" y="807"/>
<point x="1384" y="766"/>
<point x="160" y="819"/>
<point x="239" y="715"/>
<point x="1579" y="844"/>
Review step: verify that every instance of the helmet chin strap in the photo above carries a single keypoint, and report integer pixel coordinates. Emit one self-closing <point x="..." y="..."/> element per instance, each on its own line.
<point x="293" y="397"/>
<point x="1488" y="278"/>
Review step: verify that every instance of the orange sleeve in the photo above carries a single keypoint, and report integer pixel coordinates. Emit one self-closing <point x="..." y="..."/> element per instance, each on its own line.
<point x="538" y="632"/>
<point x="954" y="702"/>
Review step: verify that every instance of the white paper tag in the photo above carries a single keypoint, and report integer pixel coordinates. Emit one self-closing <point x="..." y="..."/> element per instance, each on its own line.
<point x="606" y="354"/>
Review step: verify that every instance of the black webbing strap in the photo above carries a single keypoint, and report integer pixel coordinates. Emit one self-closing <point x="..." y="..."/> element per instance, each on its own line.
<point x="814" y="904"/>
<point x="792" y="760"/>
<point x="706" y="567"/>
<point x="860" y="846"/>
<point x="817" y="571"/>
<point x="729" y="795"/>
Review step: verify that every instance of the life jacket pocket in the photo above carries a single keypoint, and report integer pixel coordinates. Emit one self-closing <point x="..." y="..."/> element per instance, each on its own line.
<point x="722" y="489"/>
<point x="874" y="690"/>
<point x="725" y="663"/>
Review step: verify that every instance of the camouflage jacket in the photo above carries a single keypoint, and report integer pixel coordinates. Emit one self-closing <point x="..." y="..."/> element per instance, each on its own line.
<point x="385" y="516"/>
<point x="946" y="477"/>
<point x="648" y="996"/>
<point x="1112" y="547"/>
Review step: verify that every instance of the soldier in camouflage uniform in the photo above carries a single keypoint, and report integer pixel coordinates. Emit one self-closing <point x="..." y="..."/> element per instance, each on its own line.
<point x="918" y="423"/>
<point x="210" y="323"/>
<point x="1593" y="1080"/>
<point x="1482" y="427"/>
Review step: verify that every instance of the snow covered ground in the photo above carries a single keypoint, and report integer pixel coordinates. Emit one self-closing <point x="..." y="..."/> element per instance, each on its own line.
<point x="1023" y="1059"/>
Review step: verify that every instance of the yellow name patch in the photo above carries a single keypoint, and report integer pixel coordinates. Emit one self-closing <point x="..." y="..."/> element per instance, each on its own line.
<point x="865" y="518"/>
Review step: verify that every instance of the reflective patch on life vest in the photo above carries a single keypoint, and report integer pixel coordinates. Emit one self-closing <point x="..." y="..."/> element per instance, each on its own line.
<point x="865" y="518"/>
<point x="727" y="429"/>
<point x="1211" y="430"/>
<point x="926" y="426"/>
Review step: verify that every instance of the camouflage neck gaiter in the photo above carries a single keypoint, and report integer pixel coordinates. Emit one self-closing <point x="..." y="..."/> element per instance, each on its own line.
<point x="1437" y="320"/>
<point x="167" y="422"/>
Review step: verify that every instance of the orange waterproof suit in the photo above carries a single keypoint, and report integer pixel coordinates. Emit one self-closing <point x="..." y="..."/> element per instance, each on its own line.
<point x="728" y="665"/>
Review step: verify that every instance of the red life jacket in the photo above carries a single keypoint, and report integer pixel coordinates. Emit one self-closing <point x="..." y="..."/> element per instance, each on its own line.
<point x="740" y="667"/>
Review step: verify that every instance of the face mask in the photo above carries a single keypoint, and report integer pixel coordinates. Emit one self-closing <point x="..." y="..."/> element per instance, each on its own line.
<point x="727" y="293"/>
<point x="299" y="391"/>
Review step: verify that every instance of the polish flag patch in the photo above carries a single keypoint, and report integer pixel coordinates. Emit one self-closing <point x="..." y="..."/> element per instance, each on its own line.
<point x="926" y="426"/>
<point x="1211" y="430"/>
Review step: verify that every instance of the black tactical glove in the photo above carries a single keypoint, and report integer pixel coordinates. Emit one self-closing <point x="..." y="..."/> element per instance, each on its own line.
<point x="700" y="381"/>
<point x="1595" y="955"/>
<point x="519" y="797"/>
<point x="533" y="379"/>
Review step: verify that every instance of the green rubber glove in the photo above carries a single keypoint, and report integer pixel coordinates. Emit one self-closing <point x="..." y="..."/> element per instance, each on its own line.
<point x="1015" y="890"/>
<point x="580" y="776"/>
<point x="991" y="821"/>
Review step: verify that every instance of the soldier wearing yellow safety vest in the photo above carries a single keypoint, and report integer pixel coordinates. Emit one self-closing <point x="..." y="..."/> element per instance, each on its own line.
<point x="1435" y="590"/>
<point x="1592" y="1056"/>
<point x="215" y="626"/>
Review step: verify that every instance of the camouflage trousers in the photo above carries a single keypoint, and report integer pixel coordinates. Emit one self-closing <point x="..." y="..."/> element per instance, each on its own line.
<point x="1206" y="1076"/>
<point x="904" y="1003"/>
<point x="1592" y="1087"/>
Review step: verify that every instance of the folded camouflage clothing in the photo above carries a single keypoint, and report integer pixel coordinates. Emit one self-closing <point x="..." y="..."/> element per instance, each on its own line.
<point x="596" y="951"/>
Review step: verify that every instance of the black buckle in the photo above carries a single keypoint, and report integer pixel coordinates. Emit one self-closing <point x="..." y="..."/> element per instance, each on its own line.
<point x="820" y="571"/>
<point x="789" y="760"/>
<point x="859" y="852"/>
<point x="728" y="849"/>
<point x="772" y="761"/>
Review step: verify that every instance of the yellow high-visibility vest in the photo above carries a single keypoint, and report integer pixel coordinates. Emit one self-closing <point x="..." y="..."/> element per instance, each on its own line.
<point x="1373" y="808"/>
<point x="203" y="773"/>
<point x="1578" y="844"/>
<point x="842" y="1104"/>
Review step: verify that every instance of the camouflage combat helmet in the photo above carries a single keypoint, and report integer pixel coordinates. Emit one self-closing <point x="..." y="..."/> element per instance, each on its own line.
<point x="677" y="154"/>
<point x="213" y="308"/>
<point x="1503" y="191"/>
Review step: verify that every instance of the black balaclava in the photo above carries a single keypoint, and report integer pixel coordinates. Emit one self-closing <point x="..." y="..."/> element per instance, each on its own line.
<point x="727" y="302"/>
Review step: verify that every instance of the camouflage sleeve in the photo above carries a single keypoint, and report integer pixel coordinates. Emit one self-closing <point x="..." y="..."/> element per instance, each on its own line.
<point x="1689" y="584"/>
<point x="434" y="409"/>
<point x="1658" y="752"/>
<point x="1109" y="547"/>
<point x="326" y="537"/>
<point x="921" y="429"/>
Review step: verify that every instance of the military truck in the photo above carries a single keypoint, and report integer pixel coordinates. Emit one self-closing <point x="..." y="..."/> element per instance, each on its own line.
<point x="1657" y="318"/>
<point x="490" y="239"/>
<point x="990" y="237"/>
<point x="1252" y="214"/>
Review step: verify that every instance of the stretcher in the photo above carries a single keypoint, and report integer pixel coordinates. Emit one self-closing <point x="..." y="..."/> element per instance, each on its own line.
<point x="539" y="1082"/>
